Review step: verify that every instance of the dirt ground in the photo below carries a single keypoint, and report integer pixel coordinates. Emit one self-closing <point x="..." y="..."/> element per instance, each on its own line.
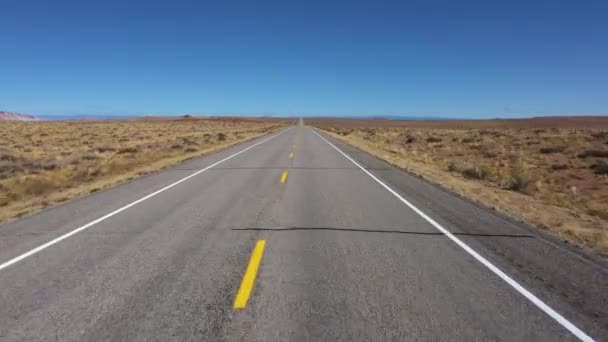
<point x="45" y="162"/>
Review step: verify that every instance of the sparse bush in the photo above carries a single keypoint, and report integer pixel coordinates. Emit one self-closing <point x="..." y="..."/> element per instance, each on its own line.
<point x="89" y="157"/>
<point x="433" y="140"/>
<point x="457" y="166"/>
<point x="474" y="173"/>
<point x="520" y="179"/>
<point x="7" y="157"/>
<point x="471" y="171"/>
<point x="103" y="149"/>
<point x="601" y="167"/>
<point x="559" y="167"/>
<point x="488" y="171"/>
<point x="594" y="153"/>
<point x="552" y="149"/>
<point x="603" y="214"/>
<point x="37" y="185"/>
<point x="188" y="141"/>
<point x="600" y="135"/>
<point x="126" y="150"/>
<point x="490" y="154"/>
<point x="369" y="131"/>
<point x="221" y="136"/>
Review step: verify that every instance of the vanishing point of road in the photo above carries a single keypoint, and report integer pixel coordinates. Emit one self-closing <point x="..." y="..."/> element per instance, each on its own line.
<point x="291" y="236"/>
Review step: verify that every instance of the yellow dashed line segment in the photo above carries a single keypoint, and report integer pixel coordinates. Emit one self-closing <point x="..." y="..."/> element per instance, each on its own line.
<point x="242" y="296"/>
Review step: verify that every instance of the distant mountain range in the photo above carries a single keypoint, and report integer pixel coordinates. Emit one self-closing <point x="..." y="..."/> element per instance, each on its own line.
<point x="10" y="116"/>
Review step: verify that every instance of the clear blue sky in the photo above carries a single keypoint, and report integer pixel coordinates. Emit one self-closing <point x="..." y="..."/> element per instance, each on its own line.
<point x="439" y="58"/>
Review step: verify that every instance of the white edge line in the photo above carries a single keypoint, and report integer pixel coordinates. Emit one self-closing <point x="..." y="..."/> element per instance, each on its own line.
<point x="519" y="288"/>
<point x="92" y="223"/>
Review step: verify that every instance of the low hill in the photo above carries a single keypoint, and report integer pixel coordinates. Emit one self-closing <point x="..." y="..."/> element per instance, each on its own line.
<point x="10" y="116"/>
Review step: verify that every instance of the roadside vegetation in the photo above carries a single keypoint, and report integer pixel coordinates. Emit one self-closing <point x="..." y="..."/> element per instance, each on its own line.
<point x="552" y="173"/>
<point x="43" y="163"/>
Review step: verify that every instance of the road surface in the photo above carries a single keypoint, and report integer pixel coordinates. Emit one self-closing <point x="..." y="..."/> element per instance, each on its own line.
<point x="292" y="236"/>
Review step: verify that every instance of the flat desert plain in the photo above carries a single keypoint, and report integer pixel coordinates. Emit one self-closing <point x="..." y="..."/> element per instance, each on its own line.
<point x="550" y="172"/>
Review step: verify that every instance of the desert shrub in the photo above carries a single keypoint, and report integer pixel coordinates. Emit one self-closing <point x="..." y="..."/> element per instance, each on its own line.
<point x="102" y="149"/>
<point x="37" y="185"/>
<point x="457" y="166"/>
<point x="433" y="140"/>
<point x="490" y="154"/>
<point x="188" y="141"/>
<point x="89" y="157"/>
<point x="603" y="214"/>
<point x="594" y="153"/>
<point x="407" y="137"/>
<point x="552" y="149"/>
<point x="191" y="149"/>
<point x="38" y="165"/>
<point x="601" y="167"/>
<point x="4" y="200"/>
<point x="176" y="147"/>
<point x="369" y="131"/>
<point x="221" y="136"/>
<point x="471" y="171"/>
<point x="476" y="172"/>
<point x="559" y="167"/>
<point x="520" y="177"/>
<point x="468" y="140"/>
<point x="488" y="170"/>
<point x="7" y="157"/>
<point x="125" y="150"/>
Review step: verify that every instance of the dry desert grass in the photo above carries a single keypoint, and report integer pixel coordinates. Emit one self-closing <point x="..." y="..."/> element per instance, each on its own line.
<point x="42" y="163"/>
<point x="552" y="173"/>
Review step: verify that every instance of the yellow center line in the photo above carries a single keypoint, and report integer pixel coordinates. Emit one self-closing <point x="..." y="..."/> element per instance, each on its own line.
<point x="242" y="297"/>
<point x="291" y="155"/>
<point x="284" y="177"/>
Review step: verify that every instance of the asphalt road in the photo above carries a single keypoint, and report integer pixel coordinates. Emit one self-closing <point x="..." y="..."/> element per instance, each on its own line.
<point x="349" y="255"/>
